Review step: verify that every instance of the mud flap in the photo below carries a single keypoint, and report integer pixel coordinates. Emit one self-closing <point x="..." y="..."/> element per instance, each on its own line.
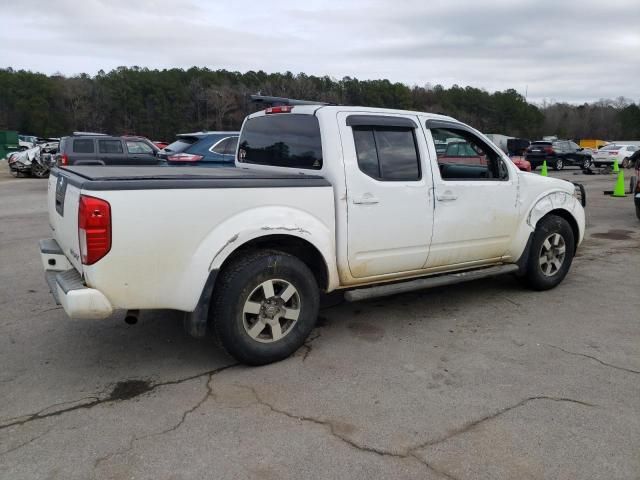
<point x="196" y="322"/>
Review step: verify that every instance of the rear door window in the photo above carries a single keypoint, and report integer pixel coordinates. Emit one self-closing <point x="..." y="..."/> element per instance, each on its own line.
<point x="83" y="145"/>
<point x="220" y="147"/>
<point x="282" y="140"/>
<point x="387" y="153"/>
<point x="110" y="146"/>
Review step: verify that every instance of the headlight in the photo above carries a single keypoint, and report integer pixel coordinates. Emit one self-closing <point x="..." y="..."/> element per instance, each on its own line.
<point x="580" y="194"/>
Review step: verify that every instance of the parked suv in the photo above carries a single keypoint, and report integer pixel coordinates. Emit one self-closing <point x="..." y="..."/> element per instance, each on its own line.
<point x="558" y="154"/>
<point x="212" y="149"/>
<point x="96" y="149"/>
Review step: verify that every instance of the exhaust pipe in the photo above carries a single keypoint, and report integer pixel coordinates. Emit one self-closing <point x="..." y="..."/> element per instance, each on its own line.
<point x="131" y="318"/>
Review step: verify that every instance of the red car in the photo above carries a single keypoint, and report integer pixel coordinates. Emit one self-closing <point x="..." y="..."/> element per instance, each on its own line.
<point x="521" y="163"/>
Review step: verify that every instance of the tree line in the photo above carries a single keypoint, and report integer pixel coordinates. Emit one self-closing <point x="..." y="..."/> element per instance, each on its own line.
<point x="160" y="103"/>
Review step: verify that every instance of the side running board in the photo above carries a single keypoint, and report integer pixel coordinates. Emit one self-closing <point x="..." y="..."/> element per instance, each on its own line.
<point x="429" y="282"/>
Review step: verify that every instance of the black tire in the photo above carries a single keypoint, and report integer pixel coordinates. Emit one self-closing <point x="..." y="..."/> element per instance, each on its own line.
<point x="39" y="171"/>
<point x="550" y="225"/>
<point x="559" y="164"/>
<point x="626" y="163"/>
<point x="236" y="285"/>
<point x="586" y="163"/>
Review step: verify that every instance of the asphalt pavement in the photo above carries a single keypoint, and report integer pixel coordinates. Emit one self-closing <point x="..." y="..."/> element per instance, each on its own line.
<point x="485" y="380"/>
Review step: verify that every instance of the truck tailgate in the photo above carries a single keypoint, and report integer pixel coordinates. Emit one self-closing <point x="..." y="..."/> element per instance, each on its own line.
<point x="63" y="199"/>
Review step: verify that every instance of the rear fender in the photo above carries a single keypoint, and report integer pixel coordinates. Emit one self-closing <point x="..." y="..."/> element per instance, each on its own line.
<point x="248" y="225"/>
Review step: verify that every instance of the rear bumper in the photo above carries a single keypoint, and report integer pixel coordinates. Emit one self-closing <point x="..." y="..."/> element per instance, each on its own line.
<point x="68" y="288"/>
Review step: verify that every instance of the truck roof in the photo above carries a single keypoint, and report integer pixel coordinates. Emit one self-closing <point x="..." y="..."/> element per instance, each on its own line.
<point x="312" y="109"/>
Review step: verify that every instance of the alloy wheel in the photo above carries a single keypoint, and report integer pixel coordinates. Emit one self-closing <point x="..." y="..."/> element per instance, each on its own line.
<point x="271" y="310"/>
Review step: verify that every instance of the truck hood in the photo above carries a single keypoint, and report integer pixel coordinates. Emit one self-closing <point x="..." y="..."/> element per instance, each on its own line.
<point x="535" y="181"/>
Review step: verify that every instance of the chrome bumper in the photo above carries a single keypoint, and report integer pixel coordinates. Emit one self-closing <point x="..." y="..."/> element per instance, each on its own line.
<point x="67" y="286"/>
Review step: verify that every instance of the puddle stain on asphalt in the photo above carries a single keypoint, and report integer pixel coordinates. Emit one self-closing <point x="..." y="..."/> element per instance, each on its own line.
<point x="128" y="389"/>
<point x="614" y="235"/>
<point x="366" y="331"/>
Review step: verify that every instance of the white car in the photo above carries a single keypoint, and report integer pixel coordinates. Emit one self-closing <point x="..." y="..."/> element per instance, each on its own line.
<point x="323" y="199"/>
<point x="614" y="153"/>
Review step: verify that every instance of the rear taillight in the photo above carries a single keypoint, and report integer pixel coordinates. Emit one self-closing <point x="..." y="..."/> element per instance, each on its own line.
<point x="613" y="152"/>
<point x="64" y="160"/>
<point x="548" y="150"/>
<point x="184" y="157"/>
<point x="94" y="229"/>
<point x="279" y="109"/>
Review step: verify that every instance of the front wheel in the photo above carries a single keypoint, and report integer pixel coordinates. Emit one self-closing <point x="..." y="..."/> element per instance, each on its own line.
<point x="586" y="163"/>
<point x="559" y="165"/>
<point x="626" y="163"/>
<point x="264" y="307"/>
<point x="551" y="253"/>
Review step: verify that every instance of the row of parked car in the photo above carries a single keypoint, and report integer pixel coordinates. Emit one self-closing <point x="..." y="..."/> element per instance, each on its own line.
<point x="85" y="148"/>
<point x="188" y="149"/>
<point x="561" y="153"/>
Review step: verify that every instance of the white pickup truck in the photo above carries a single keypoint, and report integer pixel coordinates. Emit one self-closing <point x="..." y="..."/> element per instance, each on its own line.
<point x="324" y="198"/>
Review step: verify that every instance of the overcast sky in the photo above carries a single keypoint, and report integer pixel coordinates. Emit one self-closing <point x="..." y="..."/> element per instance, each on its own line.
<point x="561" y="50"/>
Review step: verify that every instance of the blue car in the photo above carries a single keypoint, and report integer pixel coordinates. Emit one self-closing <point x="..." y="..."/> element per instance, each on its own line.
<point x="210" y="149"/>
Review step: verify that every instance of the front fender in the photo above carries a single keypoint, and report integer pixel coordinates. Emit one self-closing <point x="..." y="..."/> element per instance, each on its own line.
<point x="557" y="200"/>
<point x="248" y="225"/>
<point x="542" y="205"/>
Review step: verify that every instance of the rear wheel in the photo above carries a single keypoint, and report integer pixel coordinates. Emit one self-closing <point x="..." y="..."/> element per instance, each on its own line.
<point x="551" y="253"/>
<point x="264" y="306"/>
<point x="586" y="163"/>
<point x="626" y="163"/>
<point x="559" y="165"/>
<point x="39" y="171"/>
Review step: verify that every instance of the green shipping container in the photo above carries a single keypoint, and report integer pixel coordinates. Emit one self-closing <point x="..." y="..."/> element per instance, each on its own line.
<point x="8" y="142"/>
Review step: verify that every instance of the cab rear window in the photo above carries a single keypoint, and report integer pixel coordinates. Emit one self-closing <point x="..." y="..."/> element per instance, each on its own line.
<point x="282" y="140"/>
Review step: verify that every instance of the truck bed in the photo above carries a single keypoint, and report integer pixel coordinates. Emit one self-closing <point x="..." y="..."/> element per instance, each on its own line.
<point x="161" y="177"/>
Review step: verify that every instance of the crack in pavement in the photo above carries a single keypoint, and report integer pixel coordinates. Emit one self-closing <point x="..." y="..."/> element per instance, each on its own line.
<point x="474" y="423"/>
<point x="24" y="444"/>
<point x="624" y="369"/>
<point x="308" y="345"/>
<point x="411" y="452"/>
<point x="333" y="432"/>
<point x="23" y="419"/>
<point x="208" y="394"/>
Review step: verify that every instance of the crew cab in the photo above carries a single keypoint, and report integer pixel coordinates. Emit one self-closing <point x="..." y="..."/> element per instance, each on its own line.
<point x="322" y="199"/>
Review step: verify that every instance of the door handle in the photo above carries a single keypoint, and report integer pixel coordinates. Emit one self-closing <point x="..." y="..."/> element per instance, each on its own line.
<point x="446" y="197"/>
<point x="366" y="199"/>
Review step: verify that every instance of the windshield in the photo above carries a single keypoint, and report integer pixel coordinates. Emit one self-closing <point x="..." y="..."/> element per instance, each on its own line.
<point x="610" y="147"/>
